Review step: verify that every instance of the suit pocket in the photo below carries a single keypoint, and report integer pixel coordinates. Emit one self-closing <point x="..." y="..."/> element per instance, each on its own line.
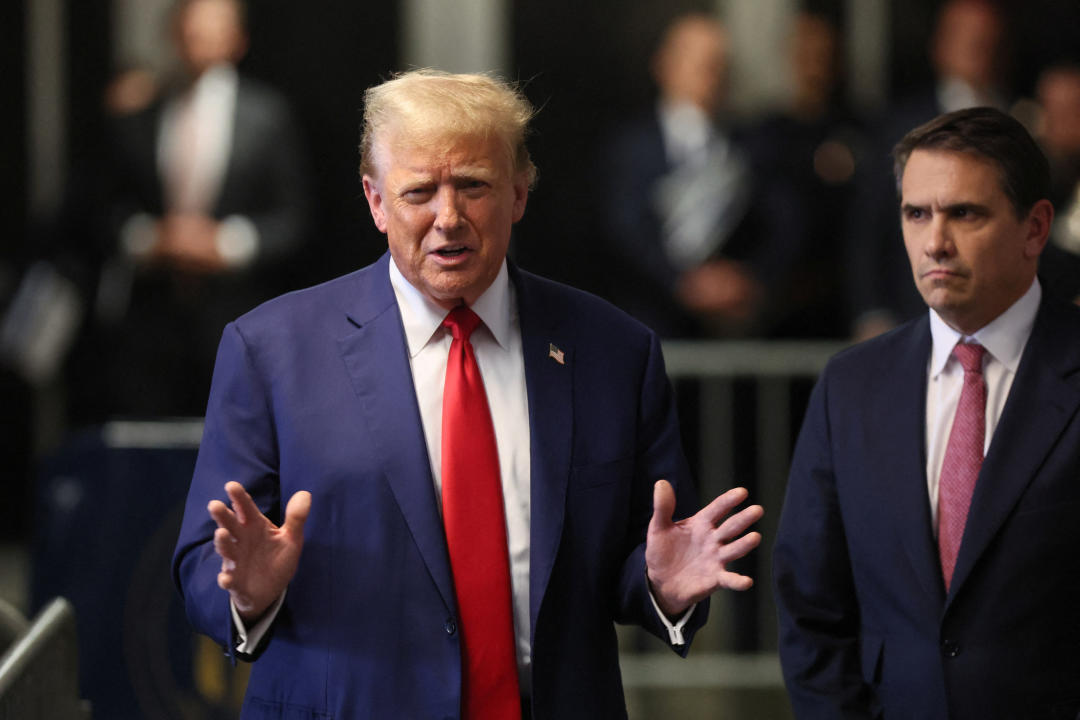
<point x="259" y="709"/>
<point x="600" y="474"/>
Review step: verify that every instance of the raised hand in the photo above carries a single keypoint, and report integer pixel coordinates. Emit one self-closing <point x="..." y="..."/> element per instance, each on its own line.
<point x="686" y="561"/>
<point x="258" y="558"/>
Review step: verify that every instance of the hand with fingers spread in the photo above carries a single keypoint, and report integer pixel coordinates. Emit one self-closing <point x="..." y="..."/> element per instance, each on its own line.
<point x="258" y="558"/>
<point x="687" y="560"/>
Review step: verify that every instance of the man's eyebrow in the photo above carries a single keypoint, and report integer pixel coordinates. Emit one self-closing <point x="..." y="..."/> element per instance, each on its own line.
<point x="472" y="171"/>
<point x="969" y="206"/>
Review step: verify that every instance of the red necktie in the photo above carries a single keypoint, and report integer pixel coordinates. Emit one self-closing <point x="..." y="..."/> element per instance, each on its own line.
<point x="476" y="533"/>
<point x="963" y="457"/>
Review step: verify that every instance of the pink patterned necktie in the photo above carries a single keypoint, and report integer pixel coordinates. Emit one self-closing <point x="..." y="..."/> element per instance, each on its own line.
<point x="475" y="525"/>
<point x="963" y="457"/>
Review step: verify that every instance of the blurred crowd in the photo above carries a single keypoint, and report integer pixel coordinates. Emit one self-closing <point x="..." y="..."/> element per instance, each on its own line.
<point x="787" y="227"/>
<point x="710" y="226"/>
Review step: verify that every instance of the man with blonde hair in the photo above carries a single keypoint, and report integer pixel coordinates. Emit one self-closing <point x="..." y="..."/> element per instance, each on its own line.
<point x="463" y="460"/>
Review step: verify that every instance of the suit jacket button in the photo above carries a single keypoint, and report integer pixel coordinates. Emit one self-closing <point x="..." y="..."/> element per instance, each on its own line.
<point x="950" y="648"/>
<point x="450" y="627"/>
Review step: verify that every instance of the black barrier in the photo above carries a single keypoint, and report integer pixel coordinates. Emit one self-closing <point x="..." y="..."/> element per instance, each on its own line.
<point x="109" y="506"/>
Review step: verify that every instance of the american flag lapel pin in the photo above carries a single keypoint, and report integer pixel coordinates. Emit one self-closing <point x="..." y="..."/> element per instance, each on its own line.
<point x="556" y="354"/>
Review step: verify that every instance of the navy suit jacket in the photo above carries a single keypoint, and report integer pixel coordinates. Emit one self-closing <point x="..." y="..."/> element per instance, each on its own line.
<point x="866" y="627"/>
<point x="313" y="391"/>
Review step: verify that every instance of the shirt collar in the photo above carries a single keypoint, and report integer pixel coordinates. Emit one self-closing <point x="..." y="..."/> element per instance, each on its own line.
<point x="1004" y="337"/>
<point x="217" y="79"/>
<point x="422" y="318"/>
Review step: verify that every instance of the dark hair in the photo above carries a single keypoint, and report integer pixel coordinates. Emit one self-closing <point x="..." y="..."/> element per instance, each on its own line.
<point x="990" y="134"/>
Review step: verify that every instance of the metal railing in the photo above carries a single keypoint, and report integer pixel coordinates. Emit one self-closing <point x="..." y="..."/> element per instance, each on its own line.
<point x="746" y="403"/>
<point x="39" y="677"/>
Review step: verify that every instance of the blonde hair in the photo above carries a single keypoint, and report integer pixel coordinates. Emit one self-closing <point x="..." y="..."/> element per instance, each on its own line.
<point x="428" y="106"/>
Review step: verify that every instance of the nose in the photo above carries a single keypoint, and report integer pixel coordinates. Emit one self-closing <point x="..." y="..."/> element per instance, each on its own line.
<point x="939" y="241"/>
<point x="447" y="210"/>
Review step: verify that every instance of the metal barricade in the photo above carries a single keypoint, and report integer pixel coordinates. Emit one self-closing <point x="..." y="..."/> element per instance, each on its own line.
<point x="39" y="677"/>
<point x="741" y="405"/>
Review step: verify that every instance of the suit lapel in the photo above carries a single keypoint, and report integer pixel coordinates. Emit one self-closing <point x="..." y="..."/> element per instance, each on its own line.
<point x="550" y="391"/>
<point x="902" y="456"/>
<point x="1039" y="406"/>
<point x="239" y="150"/>
<point x="377" y="360"/>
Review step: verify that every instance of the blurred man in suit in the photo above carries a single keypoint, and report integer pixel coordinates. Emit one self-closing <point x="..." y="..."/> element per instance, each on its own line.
<point x="1058" y="95"/>
<point x="926" y="562"/>
<point x="695" y="248"/>
<point x="466" y="454"/>
<point x="210" y="197"/>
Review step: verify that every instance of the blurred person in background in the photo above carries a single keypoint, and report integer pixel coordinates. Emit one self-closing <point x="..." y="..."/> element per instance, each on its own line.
<point x="682" y="214"/>
<point x="969" y="53"/>
<point x="209" y="199"/>
<point x="808" y="153"/>
<point x="1058" y="96"/>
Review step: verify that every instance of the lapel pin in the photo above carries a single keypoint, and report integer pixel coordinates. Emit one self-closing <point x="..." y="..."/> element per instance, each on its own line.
<point x="556" y="354"/>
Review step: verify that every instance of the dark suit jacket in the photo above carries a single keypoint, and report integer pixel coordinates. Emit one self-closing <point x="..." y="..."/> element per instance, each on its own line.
<point x="866" y="627"/>
<point x="162" y="350"/>
<point x="635" y="161"/>
<point x="264" y="176"/>
<point x="313" y="391"/>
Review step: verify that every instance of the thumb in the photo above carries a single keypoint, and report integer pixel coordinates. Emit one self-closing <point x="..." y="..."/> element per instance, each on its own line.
<point x="663" y="506"/>
<point x="296" y="513"/>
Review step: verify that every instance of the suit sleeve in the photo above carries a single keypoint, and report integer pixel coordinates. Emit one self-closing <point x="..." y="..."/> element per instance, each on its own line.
<point x="238" y="444"/>
<point x="659" y="456"/>
<point x="814" y="589"/>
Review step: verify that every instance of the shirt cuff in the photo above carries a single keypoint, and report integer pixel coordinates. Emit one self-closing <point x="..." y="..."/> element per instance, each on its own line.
<point x="138" y="235"/>
<point x="237" y="241"/>
<point x="674" y="631"/>
<point x="249" y="639"/>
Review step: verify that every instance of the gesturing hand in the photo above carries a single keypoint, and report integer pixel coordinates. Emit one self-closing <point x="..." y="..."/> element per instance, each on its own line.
<point x="258" y="558"/>
<point x="686" y="561"/>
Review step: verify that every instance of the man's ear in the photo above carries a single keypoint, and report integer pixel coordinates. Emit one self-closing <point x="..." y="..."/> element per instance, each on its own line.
<point x="1039" y="221"/>
<point x="375" y="202"/>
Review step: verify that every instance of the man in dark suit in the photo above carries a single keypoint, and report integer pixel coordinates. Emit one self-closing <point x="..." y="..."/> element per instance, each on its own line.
<point x="695" y="246"/>
<point x="335" y="411"/>
<point x="914" y="578"/>
<point x="210" y="198"/>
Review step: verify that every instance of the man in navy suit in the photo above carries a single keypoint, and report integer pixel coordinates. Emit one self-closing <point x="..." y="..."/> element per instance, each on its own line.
<point x="926" y="564"/>
<point x="331" y="568"/>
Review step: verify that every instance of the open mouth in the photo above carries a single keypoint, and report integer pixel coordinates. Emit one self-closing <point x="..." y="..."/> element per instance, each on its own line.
<point x="451" y="252"/>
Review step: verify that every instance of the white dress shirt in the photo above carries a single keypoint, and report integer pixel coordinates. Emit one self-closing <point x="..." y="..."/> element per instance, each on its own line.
<point x="1004" y="339"/>
<point x="497" y="346"/>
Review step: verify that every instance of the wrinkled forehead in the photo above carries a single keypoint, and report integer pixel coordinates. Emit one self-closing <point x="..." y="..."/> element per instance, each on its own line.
<point x="428" y="146"/>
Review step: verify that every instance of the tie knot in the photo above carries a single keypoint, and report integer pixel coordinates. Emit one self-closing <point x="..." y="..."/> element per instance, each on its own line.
<point x="461" y="322"/>
<point x="970" y="356"/>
